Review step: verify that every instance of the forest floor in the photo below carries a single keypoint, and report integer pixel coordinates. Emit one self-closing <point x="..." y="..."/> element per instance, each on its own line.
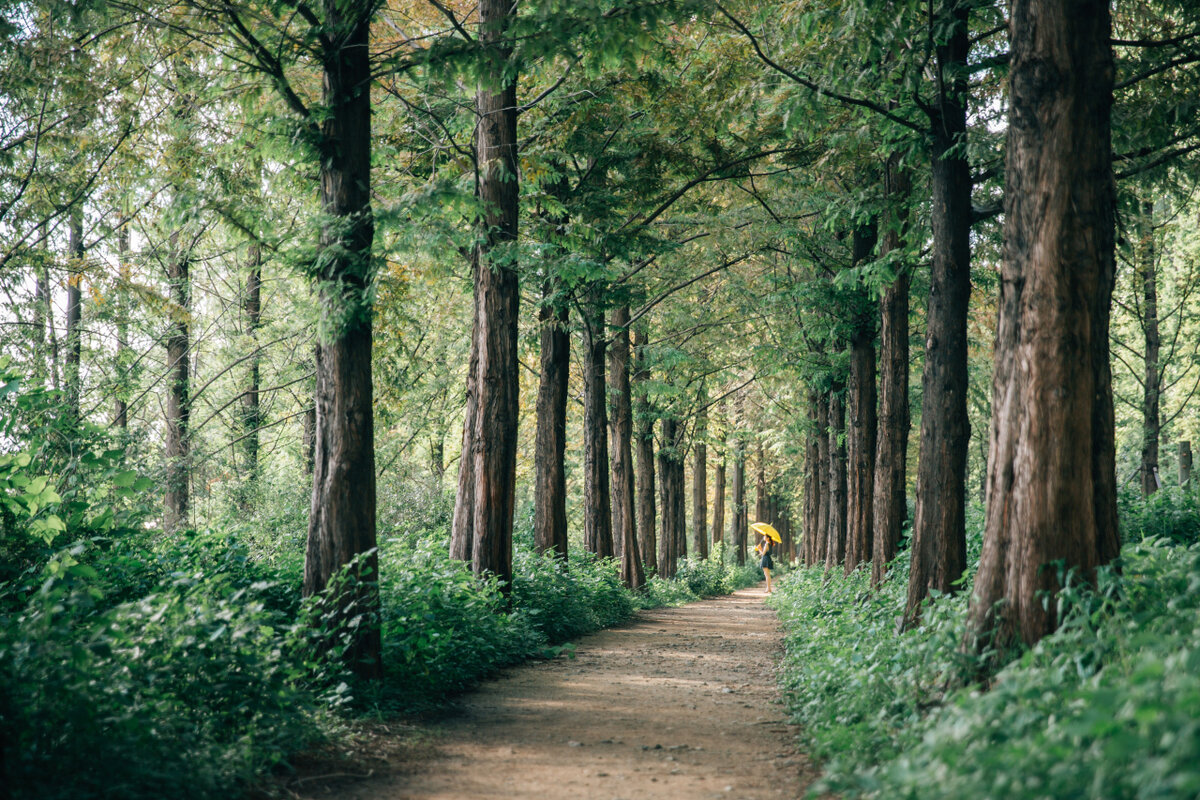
<point x="677" y="703"/>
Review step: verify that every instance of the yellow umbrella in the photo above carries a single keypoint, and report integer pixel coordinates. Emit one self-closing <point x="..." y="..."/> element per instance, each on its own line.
<point x="766" y="530"/>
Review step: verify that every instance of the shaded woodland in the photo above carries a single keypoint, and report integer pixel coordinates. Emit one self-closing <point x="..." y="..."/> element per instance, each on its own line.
<point x="343" y="339"/>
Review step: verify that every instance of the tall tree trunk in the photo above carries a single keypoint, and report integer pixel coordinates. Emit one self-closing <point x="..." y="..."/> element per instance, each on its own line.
<point x="624" y="529"/>
<point x="737" y="529"/>
<point x="939" y="549"/>
<point x="889" y="506"/>
<point x="824" y="481"/>
<point x="178" y="402"/>
<point x="1185" y="462"/>
<point x="462" y="530"/>
<point x="666" y="473"/>
<point x="251" y="407"/>
<point x="597" y="504"/>
<point x="761" y="506"/>
<point x="1151" y="392"/>
<point x="437" y="458"/>
<point x="550" y="482"/>
<point x="861" y="434"/>
<point x="120" y="407"/>
<point x="718" y="516"/>
<point x="308" y="442"/>
<point x="812" y="486"/>
<point x="644" y="427"/>
<point x="74" y="312"/>
<point x="836" y="554"/>
<point x="1051" y="484"/>
<point x="497" y="302"/>
<point x="341" y="529"/>
<point x="678" y="494"/>
<point x="700" y="483"/>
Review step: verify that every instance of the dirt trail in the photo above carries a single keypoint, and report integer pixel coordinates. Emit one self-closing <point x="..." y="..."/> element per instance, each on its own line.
<point x="680" y="703"/>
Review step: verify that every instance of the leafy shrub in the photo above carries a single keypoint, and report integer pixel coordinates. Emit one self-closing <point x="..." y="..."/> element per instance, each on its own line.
<point x="717" y="574"/>
<point x="1171" y="514"/>
<point x="697" y="578"/>
<point x="568" y="600"/>
<point x="442" y="628"/>
<point x="189" y="691"/>
<point x="1105" y="707"/>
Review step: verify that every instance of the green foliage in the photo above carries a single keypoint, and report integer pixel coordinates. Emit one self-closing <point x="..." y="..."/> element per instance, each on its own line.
<point x="1105" y="707"/>
<point x="187" y="691"/>
<point x="699" y="578"/>
<point x="568" y="600"/>
<point x="1171" y="514"/>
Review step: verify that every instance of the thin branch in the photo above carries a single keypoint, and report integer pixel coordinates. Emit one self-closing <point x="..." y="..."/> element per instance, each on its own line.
<point x="805" y="82"/>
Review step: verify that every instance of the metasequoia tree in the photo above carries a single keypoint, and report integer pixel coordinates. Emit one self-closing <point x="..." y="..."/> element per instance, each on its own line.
<point x="341" y="528"/>
<point x="597" y="502"/>
<point x="737" y="528"/>
<point x="939" y="544"/>
<point x="624" y="522"/>
<point x="178" y="372"/>
<point x="644" y="440"/>
<point x="889" y="506"/>
<point x="1152" y="383"/>
<point x="861" y="432"/>
<point x="493" y="425"/>
<point x="550" y="489"/>
<point x="700" y="480"/>
<point x="939" y="534"/>
<point x="1051" y="463"/>
<point x="550" y="492"/>
<point x="72" y="374"/>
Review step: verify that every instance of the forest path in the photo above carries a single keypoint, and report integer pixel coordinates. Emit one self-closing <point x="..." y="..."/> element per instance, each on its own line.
<point x="678" y="703"/>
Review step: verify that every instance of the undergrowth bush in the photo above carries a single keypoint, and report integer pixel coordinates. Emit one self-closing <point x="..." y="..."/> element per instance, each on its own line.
<point x="188" y="691"/>
<point x="1171" y="514"/>
<point x="1107" y="707"/>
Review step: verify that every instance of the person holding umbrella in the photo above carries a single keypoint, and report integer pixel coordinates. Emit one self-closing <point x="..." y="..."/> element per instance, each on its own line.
<point x="769" y="535"/>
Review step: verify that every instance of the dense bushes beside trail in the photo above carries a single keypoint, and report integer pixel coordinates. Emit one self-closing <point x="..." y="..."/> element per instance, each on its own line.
<point x="136" y="665"/>
<point x="1107" y="707"/>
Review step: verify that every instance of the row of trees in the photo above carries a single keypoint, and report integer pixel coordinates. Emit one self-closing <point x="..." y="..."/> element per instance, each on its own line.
<point x="289" y="237"/>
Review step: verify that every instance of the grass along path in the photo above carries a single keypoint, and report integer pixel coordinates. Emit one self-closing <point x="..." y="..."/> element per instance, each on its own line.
<point x="679" y="703"/>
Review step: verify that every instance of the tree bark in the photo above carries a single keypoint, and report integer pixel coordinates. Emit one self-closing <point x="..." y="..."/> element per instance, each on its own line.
<point x="718" y="517"/>
<point x="738" y="528"/>
<point x="308" y="443"/>
<point x="497" y="302"/>
<point x="341" y="528"/>
<point x="74" y="335"/>
<point x="644" y="426"/>
<point x="1151" y="392"/>
<point x="597" y="503"/>
<point x="462" y="531"/>
<point x="550" y="481"/>
<point x="178" y="403"/>
<point x="251" y="407"/>
<point x="1051" y="479"/>
<point x="700" y="483"/>
<point x="889" y="506"/>
<point x="437" y="458"/>
<point x="836" y="553"/>
<point x="939" y="549"/>
<point x="624" y="528"/>
<point x="812" y="486"/>
<point x="666" y="474"/>
<point x="120" y="407"/>
<point x="761" y="504"/>
<point x="1185" y="463"/>
<point x="824" y="481"/>
<point x="861" y="435"/>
